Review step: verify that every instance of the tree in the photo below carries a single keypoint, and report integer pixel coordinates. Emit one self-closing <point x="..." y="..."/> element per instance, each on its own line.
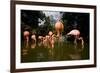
<point x="46" y="27"/>
<point x="30" y="18"/>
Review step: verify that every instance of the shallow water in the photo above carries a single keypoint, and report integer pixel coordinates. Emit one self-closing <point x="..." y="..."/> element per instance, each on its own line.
<point x="65" y="51"/>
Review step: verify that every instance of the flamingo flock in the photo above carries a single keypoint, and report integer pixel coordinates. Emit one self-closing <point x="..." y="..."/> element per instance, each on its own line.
<point x="48" y="40"/>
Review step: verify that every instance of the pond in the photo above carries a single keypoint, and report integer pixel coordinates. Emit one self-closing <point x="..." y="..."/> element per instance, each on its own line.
<point x="61" y="52"/>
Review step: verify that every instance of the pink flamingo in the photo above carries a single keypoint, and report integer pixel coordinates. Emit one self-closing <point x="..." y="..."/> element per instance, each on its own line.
<point x="33" y="37"/>
<point x="76" y="34"/>
<point x="51" y="39"/>
<point x="59" y="28"/>
<point x="26" y="38"/>
<point x="26" y="42"/>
